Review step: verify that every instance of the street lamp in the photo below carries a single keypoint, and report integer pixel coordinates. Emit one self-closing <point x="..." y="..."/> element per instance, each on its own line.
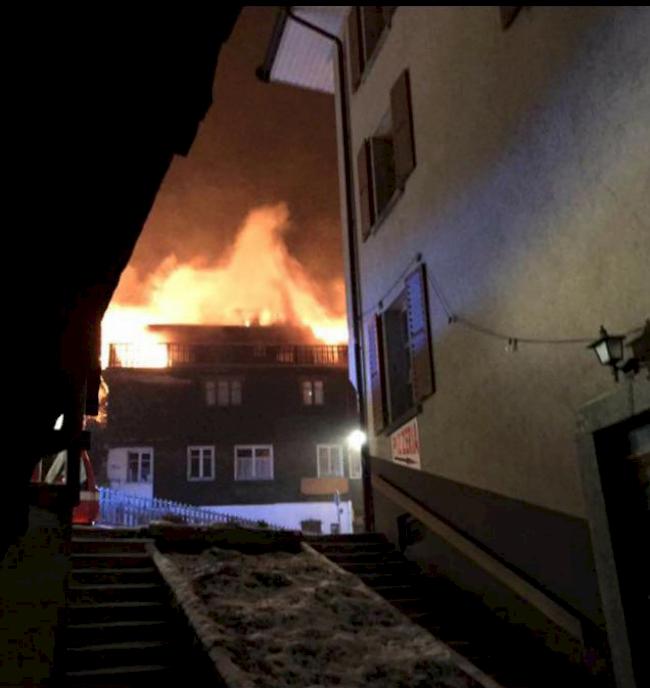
<point x="356" y="439"/>
<point x="609" y="350"/>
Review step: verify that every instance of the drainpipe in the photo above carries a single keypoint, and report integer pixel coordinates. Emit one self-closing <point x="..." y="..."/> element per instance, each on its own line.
<point x="357" y="324"/>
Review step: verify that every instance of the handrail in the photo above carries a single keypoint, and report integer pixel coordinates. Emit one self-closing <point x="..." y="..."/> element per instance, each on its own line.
<point x="119" y="509"/>
<point x="557" y="610"/>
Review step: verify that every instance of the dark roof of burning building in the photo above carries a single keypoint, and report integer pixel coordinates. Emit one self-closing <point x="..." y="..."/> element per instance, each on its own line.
<point x="235" y="334"/>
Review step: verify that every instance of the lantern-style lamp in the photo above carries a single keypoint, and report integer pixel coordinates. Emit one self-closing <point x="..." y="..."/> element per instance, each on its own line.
<point x="609" y="349"/>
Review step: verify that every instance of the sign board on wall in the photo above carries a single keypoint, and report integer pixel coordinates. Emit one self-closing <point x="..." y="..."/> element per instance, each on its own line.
<point x="405" y="445"/>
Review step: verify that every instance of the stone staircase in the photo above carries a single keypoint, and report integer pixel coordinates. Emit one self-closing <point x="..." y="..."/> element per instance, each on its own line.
<point x="120" y="631"/>
<point x="456" y="617"/>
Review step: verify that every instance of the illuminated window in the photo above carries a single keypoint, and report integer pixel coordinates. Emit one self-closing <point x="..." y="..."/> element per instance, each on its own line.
<point x="139" y="466"/>
<point x="330" y="461"/>
<point x="223" y="392"/>
<point x="210" y="393"/>
<point x="313" y="392"/>
<point x="254" y="462"/>
<point x="200" y="463"/>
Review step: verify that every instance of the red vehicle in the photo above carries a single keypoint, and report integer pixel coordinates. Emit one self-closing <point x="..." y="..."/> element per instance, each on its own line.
<point x="87" y="511"/>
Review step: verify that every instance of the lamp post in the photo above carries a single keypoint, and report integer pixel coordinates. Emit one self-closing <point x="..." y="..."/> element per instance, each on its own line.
<point x="609" y="350"/>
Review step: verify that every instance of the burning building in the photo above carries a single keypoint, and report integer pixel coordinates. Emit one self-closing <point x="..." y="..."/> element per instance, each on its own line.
<point x="251" y="420"/>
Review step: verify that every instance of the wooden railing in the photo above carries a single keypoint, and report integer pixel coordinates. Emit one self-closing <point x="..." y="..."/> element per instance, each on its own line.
<point x="172" y="355"/>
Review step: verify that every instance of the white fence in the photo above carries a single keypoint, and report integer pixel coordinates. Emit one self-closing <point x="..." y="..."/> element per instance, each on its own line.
<point x="119" y="509"/>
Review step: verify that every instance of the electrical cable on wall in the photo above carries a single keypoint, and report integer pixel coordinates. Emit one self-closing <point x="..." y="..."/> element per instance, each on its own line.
<point x="453" y="318"/>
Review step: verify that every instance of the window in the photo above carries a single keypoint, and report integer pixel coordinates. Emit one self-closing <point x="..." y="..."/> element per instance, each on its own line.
<point x="386" y="160"/>
<point x="223" y="392"/>
<point x="508" y="15"/>
<point x="366" y="25"/>
<point x="354" y="458"/>
<point x="210" y="393"/>
<point x="200" y="463"/>
<point x="313" y="392"/>
<point x="330" y="460"/>
<point x="254" y="462"/>
<point x="400" y="365"/>
<point x="139" y="466"/>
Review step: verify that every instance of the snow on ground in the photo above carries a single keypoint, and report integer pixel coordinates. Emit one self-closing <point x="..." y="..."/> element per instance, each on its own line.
<point x="292" y="620"/>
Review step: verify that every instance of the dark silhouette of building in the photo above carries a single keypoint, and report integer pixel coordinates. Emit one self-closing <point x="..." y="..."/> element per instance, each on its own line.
<point x="256" y="419"/>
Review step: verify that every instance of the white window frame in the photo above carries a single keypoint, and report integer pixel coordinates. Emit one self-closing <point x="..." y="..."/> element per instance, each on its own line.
<point x="228" y="385"/>
<point x="140" y="451"/>
<point x="312" y="392"/>
<point x="355" y="468"/>
<point x="210" y="393"/>
<point x="340" y="473"/>
<point x="203" y="450"/>
<point x="253" y="448"/>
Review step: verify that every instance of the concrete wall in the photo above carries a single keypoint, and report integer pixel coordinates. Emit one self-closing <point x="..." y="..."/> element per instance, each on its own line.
<point x="529" y="204"/>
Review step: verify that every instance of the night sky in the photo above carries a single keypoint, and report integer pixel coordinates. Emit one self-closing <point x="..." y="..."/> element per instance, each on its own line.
<point x="259" y="144"/>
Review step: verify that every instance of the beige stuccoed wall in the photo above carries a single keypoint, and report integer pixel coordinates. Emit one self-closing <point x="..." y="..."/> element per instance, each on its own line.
<point x="530" y="204"/>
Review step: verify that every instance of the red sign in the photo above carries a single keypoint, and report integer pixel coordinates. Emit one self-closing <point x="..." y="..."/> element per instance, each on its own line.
<point x="405" y="445"/>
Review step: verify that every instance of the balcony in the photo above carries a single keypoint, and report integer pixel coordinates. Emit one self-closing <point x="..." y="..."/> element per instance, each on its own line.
<point x="173" y="355"/>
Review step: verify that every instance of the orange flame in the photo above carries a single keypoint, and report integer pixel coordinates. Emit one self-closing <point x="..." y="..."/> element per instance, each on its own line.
<point x="258" y="281"/>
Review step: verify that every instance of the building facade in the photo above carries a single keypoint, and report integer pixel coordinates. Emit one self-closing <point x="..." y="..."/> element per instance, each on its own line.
<point x="244" y="420"/>
<point x="500" y="169"/>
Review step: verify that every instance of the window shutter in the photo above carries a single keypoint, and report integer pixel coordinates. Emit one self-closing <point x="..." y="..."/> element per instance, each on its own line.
<point x="373" y="25"/>
<point x="419" y="335"/>
<point x="508" y="15"/>
<point x="365" y="193"/>
<point x="388" y="13"/>
<point x="403" y="138"/>
<point x="354" y="48"/>
<point x="375" y="368"/>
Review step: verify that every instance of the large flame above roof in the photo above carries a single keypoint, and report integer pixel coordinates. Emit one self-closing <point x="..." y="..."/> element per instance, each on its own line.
<point x="256" y="282"/>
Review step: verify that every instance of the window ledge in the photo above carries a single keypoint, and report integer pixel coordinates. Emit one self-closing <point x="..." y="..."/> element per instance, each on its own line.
<point x="386" y="211"/>
<point x="404" y="418"/>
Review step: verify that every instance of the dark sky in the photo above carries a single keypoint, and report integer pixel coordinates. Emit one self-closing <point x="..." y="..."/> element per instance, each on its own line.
<point x="259" y="144"/>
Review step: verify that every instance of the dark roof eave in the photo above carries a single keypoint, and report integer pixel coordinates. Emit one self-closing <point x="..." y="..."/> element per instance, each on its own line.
<point x="263" y="72"/>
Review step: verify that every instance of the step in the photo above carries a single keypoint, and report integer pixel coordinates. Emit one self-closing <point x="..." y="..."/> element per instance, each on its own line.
<point x="117" y="631"/>
<point x="123" y="654"/>
<point x="105" y="592"/>
<point x="348" y="547"/>
<point x="87" y="545"/>
<point x="116" y="612"/>
<point x="393" y="568"/>
<point x="378" y="558"/>
<point x="126" y="676"/>
<point x="109" y="560"/>
<point x="98" y="533"/>
<point x="120" y="575"/>
<point x="350" y="537"/>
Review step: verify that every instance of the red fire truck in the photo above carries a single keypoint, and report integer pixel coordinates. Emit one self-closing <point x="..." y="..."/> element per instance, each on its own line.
<point x="87" y="511"/>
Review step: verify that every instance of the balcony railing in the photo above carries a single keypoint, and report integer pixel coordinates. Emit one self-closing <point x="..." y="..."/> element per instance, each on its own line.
<point x="171" y="355"/>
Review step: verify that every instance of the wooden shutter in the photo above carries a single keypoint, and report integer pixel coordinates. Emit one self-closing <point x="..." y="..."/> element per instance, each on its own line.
<point x="354" y="48"/>
<point x="508" y="15"/>
<point x="388" y="13"/>
<point x="403" y="138"/>
<point x="419" y="335"/>
<point x="366" y="203"/>
<point x="375" y="374"/>
<point x="373" y="25"/>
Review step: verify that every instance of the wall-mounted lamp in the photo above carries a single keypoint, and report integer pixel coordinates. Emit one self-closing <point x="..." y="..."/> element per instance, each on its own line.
<point x="609" y="350"/>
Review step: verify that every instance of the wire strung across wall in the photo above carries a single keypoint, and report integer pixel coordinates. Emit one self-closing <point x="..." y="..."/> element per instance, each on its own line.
<point x="453" y="318"/>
